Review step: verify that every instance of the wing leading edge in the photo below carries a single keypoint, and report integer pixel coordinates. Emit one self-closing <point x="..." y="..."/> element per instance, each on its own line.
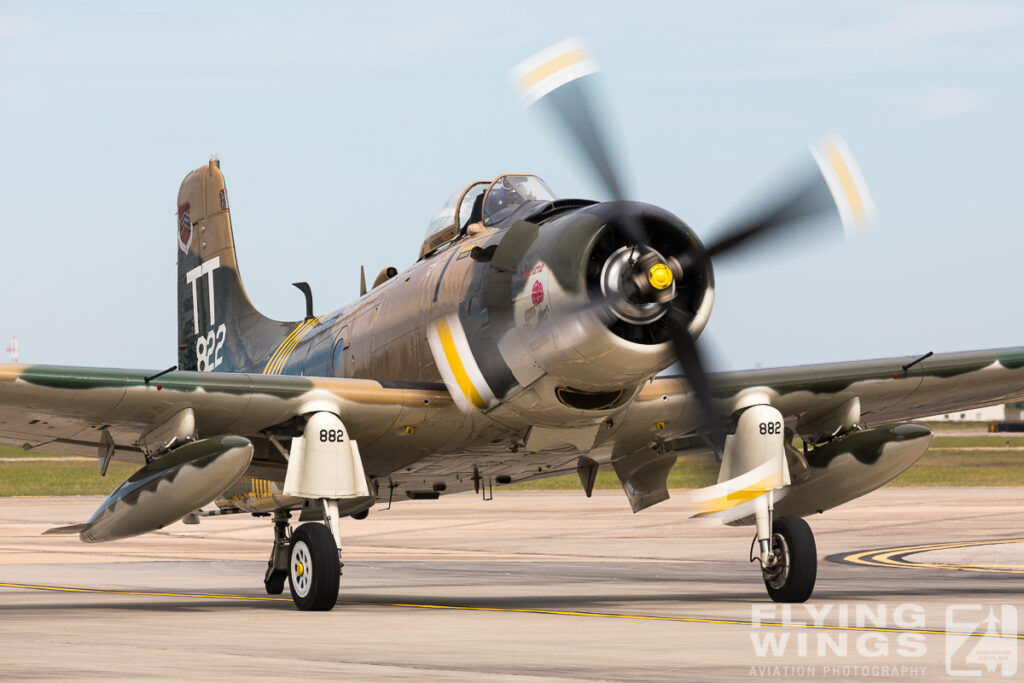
<point x="67" y="410"/>
<point x="888" y="390"/>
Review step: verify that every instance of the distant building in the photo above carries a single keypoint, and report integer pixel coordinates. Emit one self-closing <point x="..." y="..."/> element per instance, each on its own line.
<point x="989" y="414"/>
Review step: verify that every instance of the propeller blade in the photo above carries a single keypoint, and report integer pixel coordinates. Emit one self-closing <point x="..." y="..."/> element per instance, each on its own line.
<point x="734" y="499"/>
<point x="558" y="75"/>
<point x="693" y="367"/>
<point x="835" y="185"/>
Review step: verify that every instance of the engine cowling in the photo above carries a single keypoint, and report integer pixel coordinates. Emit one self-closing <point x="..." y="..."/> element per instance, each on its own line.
<point x="575" y="319"/>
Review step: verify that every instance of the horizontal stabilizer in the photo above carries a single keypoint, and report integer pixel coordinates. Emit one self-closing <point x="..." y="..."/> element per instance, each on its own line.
<point x="73" y="529"/>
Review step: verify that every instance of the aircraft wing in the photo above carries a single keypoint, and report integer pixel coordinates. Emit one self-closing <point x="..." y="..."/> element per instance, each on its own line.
<point x="75" y="410"/>
<point x="894" y="389"/>
<point x="816" y="402"/>
<point x="888" y="389"/>
<point x="68" y="410"/>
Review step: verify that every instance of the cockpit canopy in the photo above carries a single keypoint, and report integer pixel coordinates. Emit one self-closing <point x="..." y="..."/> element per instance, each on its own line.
<point x="482" y="204"/>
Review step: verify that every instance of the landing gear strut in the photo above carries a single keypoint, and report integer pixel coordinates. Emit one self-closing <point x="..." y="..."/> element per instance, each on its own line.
<point x="308" y="559"/>
<point x="324" y="468"/>
<point x="754" y="460"/>
<point x="792" y="567"/>
<point x="277" y="566"/>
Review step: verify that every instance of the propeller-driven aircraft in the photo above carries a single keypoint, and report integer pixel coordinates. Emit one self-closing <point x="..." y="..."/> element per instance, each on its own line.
<point x="527" y="341"/>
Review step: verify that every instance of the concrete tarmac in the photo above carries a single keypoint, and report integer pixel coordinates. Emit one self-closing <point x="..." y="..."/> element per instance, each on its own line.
<point x="527" y="586"/>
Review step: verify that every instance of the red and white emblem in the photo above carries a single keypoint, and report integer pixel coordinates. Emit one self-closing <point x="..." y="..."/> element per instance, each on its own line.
<point x="537" y="294"/>
<point x="184" y="228"/>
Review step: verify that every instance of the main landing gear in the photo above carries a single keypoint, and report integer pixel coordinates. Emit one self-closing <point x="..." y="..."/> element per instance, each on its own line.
<point x="325" y="470"/>
<point x="754" y="459"/>
<point x="310" y="561"/>
<point x="791" y="566"/>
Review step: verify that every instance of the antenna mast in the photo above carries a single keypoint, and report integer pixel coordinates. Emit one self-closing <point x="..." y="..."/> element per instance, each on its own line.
<point x="13" y="348"/>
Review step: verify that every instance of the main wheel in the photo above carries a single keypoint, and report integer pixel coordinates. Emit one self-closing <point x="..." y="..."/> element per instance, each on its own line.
<point x="313" y="568"/>
<point x="796" y="561"/>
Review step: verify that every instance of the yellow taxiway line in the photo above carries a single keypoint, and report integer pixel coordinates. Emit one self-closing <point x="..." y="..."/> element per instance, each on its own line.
<point x="895" y="557"/>
<point x="520" y="610"/>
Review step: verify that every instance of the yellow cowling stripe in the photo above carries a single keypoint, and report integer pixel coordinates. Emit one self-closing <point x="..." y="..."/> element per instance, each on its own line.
<point x="846" y="180"/>
<point x="451" y="354"/>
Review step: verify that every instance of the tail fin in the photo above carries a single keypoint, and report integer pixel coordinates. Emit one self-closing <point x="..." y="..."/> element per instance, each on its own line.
<point x="218" y="327"/>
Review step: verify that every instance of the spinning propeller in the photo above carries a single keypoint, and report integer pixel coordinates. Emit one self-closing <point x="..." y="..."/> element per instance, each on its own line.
<point x="559" y="76"/>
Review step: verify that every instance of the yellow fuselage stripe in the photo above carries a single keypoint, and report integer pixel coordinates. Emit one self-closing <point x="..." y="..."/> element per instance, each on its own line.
<point x="280" y="348"/>
<point x="280" y="357"/>
<point x="846" y="180"/>
<point x="451" y="354"/>
<point x="288" y="347"/>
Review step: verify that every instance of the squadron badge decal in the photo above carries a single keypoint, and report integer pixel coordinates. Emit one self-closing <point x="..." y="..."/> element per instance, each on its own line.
<point x="184" y="228"/>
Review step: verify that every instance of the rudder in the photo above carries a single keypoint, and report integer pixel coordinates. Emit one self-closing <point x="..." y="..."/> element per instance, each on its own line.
<point x="218" y="327"/>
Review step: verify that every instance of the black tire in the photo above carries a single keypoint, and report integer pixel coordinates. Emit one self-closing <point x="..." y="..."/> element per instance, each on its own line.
<point x="274" y="583"/>
<point x="313" y="569"/>
<point x="792" y="579"/>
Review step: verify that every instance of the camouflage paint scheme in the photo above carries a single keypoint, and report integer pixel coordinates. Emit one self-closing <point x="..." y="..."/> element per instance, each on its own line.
<point x="373" y="365"/>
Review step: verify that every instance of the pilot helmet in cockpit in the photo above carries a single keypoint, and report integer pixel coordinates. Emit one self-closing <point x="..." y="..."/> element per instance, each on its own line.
<point x="506" y="194"/>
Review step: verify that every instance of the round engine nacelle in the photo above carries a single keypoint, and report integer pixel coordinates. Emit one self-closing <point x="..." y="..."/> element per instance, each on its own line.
<point x="578" y="316"/>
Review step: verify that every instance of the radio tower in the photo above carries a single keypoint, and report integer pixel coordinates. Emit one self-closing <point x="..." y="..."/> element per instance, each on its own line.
<point x="13" y="348"/>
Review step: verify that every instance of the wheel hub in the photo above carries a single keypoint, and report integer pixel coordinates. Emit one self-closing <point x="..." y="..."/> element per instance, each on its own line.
<point x="639" y="285"/>
<point x="302" y="578"/>
<point x="777" y="574"/>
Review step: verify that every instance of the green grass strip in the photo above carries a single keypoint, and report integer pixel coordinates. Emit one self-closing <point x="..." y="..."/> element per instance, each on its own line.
<point x="948" y="463"/>
<point x="61" y="478"/>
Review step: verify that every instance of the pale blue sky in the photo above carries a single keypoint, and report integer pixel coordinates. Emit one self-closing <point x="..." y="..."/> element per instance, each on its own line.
<point x="342" y="130"/>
